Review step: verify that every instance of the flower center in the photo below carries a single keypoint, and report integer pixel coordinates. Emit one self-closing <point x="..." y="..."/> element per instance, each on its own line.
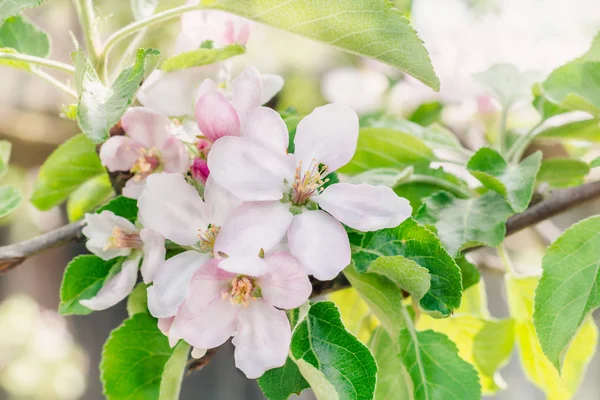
<point x="308" y="183"/>
<point x="208" y="238"/>
<point x="241" y="290"/>
<point x="147" y="163"/>
<point x="123" y="240"/>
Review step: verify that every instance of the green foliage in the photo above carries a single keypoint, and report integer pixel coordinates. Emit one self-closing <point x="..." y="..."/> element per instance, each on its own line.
<point x="418" y="244"/>
<point x="587" y="130"/>
<point x="567" y="291"/>
<point x="393" y="381"/>
<point x="101" y="107"/>
<point x="406" y="274"/>
<point x="461" y="224"/>
<point x="546" y="108"/>
<point x="595" y="163"/>
<point x="469" y="272"/>
<point x="435" y="367"/>
<point x="386" y="148"/>
<point x="137" y="302"/>
<point x="506" y="83"/>
<point x="9" y="8"/>
<point x="83" y="278"/>
<point x="70" y="165"/>
<point x="427" y="113"/>
<point x="281" y="383"/>
<point x="123" y="207"/>
<point x="514" y="182"/>
<point x="199" y="57"/>
<point x="371" y="28"/>
<point x="10" y="198"/>
<point x="89" y="196"/>
<point x="562" y="172"/>
<point x="21" y="35"/>
<point x="174" y="372"/>
<point x="391" y="177"/>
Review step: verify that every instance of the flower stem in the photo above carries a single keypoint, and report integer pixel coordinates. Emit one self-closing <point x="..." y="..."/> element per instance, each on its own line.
<point x="444" y="184"/>
<point x="502" y="130"/>
<point x="50" y="79"/>
<point x="517" y="150"/>
<point x="87" y="19"/>
<point x="508" y="265"/>
<point x="43" y="62"/>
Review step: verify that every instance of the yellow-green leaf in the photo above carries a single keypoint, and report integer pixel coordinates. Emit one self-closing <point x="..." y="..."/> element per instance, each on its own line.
<point x="201" y="56"/>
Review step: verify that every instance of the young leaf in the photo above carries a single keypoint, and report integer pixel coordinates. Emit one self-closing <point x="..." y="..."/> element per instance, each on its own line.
<point x="137" y="302"/>
<point x="371" y="28"/>
<point x="10" y="198"/>
<point x="406" y="274"/>
<point x="587" y="130"/>
<point x="538" y="369"/>
<point x="386" y="148"/>
<point x="173" y="374"/>
<point x="123" y="207"/>
<point x="200" y="57"/>
<point x="22" y="35"/>
<point x="71" y="164"/>
<point x="101" y="107"/>
<point x="89" y="196"/>
<point x="356" y="314"/>
<point x="466" y="223"/>
<point x="562" y="172"/>
<point x="514" y="182"/>
<point x="567" y="291"/>
<point x="330" y="358"/>
<point x="546" y="108"/>
<point x="8" y="8"/>
<point x="506" y="83"/>
<point x="393" y="381"/>
<point x="468" y="271"/>
<point x="595" y="163"/>
<point x="83" y="278"/>
<point x="134" y="359"/>
<point x="435" y="367"/>
<point x="418" y="244"/>
<point x="281" y="383"/>
<point x="383" y="176"/>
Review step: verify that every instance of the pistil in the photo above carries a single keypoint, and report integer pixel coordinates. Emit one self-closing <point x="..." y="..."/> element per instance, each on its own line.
<point x="241" y="290"/>
<point x="147" y="163"/>
<point x="308" y="183"/>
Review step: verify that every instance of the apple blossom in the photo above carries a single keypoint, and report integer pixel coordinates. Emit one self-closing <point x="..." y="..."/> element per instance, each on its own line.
<point x="110" y="236"/>
<point x="147" y="148"/>
<point x="257" y="169"/>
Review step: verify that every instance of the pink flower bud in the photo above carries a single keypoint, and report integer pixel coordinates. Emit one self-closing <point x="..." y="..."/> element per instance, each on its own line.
<point x="199" y="170"/>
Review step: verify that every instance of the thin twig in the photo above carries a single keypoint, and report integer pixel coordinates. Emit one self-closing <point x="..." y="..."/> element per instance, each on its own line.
<point x="198" y="364"/>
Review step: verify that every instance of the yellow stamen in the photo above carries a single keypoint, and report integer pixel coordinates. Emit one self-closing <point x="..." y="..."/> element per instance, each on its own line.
<point x="208" y="238"/>
<point x="148" y="162"/>
<point x="309" y="183"/>
<point x="123" y="240"/>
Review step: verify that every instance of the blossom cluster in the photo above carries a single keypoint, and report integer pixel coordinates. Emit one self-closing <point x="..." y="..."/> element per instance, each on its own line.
<point x="251" y="221"/>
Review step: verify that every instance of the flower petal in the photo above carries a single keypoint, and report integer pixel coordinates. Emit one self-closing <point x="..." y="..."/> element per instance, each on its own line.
<point x="219" y="202"/>
<point x="272" y="84"/>
<point x="146" y="126"/>
<point x="99" y="229"/>
<point x="320" y="243"/>
<point x="327" y="135"/>
<point x="154" y="253"/>
<point x="266" y="127"/>
<point x="364" y="207"/>
<point x="286" y="284"/>
<point x="198" y="353"/>
<point x="174" y="155"/>
<point x="119" y="153"/>
<point x="171" y="93"/>
<point x="134" y="188"/>
<point x="115" y="288"/>
<point x="262" y="340"/>
<point x="247" y="92"/>
<point x="216" y="117"/>
<point x="172" y="282"/>
<point x="250" y="228"/>
<point x="173" y="208"/>
<point x="248" y="170"/>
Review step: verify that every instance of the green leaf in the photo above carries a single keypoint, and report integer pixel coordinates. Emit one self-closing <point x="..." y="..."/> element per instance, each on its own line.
<point x="200" y="57"/>
<point x="468" y="271"/>
<point x="418" y="244"/>
<point x="137" y="302"/>
<point x="5" y="150"/>
<point x="562" y="172"/>
<point x="546" y="108"/>
<point x="281" y="383"/>
<point x="587" y="130"/>
<point x="83" y="278"/>
<point x="89" y="196"/>
<point x="466" y="223"/>
<point x="370" y="28"/>
<point x="356" y="314"/>
<point x="23" y="36"/>
<point x="101" y="107"/>
<point x="595" y="163"/>
<point x="386" y="148"/>
<point x="292" y="119"/>
<point x="8" y="8"/>
<point x="514" y="182"/>
<point x="122" y="206"/>
<point x="143" y="9"/>
<point x="393" y="381"/>
<point x="10" y="198"/>
<point x="435" y="368"/>
<point x="406" y="274"/>
<point x="568" y="290"/>
<point x="427" y="113"/>
<point x="538" y="369"/>
<point x="71" y="164"/>
<point x="506" y="83"/>
<point x="383" y="176"/>
<point x="330" y="358"/>
<point x="173" y="374"/>
<point x="134" y="358"/>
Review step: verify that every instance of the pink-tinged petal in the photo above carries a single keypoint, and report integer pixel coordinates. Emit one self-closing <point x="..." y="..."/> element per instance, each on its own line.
<point x="171" y="93"/>
<point x="216" y="117"/>
<point x="173" y="208"/>
<point x="262" y="341"/>
<point x="154" y="253"/>
<point x="134" y="188"/>
<point x="119" y="153"/>
<point x="327" y="135"/>
<point x="172" y="283"/>
<point x="320" y="243"/>
<point x="207" y="284"/>
<point x="364" y="207"/>
<point x="174" y="155"/>
<point x="115" y="288"/>
<point x="206" y="327"/>
<point x="146" y="126"/>
<point x="272" y="84"/>
<point x="251" y="265"/>
<point x="247" y="92"/>
<point x="244" y="28"/>
<point x="250" y="228"/>
<point x="248" y="170"/>
<point x="199" y="170"/>
<point x="286" y="284"/>
<point x="207" y="86"/>
<point x="220" y="203"/>
<point x="266" y="127"/>
<point x="164" y="325"/>
<point x="98" y="231"/>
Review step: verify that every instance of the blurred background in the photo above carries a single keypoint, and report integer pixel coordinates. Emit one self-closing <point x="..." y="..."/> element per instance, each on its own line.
<point x="45" y="356"/>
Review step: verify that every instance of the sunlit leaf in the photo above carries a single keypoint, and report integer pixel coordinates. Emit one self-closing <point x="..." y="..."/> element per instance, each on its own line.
<point x="22" y="35"/>
<point x="89" y="196"/>
<point x="562" y="172"/>
<point x="10" y="198"/>
<point x="393" y="381"/>
<point x="355" y="313"/>
<point x="8" y="8"/>
<point x="200" y="57"/>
